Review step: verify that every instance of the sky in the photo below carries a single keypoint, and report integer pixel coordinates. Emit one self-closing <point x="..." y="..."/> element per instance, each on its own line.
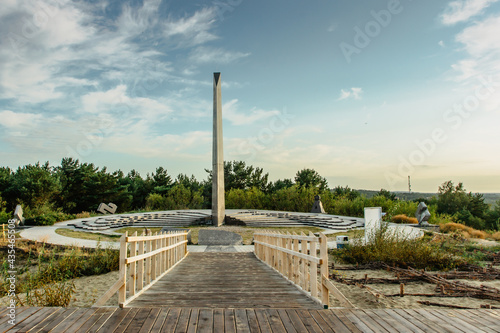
<point x="365" y="92"/>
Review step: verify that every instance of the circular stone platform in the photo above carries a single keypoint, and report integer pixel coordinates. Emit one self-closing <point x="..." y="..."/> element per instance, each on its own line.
<point x="250" y="218"/>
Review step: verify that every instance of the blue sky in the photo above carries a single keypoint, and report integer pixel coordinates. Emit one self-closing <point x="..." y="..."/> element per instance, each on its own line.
<point x="365" y="92"/>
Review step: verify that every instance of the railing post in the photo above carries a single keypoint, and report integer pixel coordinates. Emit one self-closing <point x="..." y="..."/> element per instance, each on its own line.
<point x="122" y="292"/>
<point x="314" y="268"/>
<point x="140" y="266"/>
<point x="304" y="278"/>
<point x="323" y="253"/>
<point x="133" y="277"/>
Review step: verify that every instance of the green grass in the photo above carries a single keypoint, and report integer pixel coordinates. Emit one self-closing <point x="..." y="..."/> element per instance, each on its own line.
<point x="87" y="235"/>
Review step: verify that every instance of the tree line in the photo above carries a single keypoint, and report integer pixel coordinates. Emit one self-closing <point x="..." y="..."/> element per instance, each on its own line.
<point x="53" y="193"/>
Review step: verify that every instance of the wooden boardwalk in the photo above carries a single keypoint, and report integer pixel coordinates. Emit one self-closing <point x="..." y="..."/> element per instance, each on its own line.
<point x="224" y="280"/>
<point x="142" y="320"/>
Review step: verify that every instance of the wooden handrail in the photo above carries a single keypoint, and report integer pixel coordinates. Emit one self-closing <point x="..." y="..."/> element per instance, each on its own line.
<point x="299" y="263"/>
<point x="151" y="257"/>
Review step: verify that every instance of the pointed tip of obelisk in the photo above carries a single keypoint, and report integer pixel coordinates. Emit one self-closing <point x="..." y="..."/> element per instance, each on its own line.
<point x="216" y="77"/>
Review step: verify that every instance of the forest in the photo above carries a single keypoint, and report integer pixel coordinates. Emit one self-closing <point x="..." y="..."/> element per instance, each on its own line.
<point x="49" y="194"/>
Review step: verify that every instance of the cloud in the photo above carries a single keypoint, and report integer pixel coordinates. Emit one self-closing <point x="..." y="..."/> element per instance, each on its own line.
<point x="205" y="55"/>
<point x="195" y="29"/>
<point x="231" y="113"/>
<point x="18" y="121"/>
<point x="116" y="101"/>
<point x="441" y="43"/>
<point x="350" y="93"/>
<point x="481" y="42"/>
<point x="463" y="10"/>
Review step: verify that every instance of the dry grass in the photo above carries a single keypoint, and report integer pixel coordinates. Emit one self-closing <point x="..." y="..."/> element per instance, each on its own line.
<point x="83" y="215"/>
<point x="467" y="232"/>
<point x="403" y="219"/>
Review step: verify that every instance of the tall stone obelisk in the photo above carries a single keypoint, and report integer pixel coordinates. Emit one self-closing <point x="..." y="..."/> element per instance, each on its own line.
<point x="218" y="199"/>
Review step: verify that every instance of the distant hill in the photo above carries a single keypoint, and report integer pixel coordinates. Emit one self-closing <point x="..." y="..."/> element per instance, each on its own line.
<point x="489" y="198"/>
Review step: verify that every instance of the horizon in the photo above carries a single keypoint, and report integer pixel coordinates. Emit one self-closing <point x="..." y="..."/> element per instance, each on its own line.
<point x="365" y="93"/>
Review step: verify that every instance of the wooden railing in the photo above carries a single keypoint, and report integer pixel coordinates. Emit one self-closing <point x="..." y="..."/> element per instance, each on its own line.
<point x="296" y="258"/>
<point x="146" y="258"/>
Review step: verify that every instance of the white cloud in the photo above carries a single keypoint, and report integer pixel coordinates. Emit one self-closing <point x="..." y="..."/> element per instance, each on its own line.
<point x="463" y="10"/>
<point x="18" y="121"/>
<point x="481" y="38"/>
<point x="350" y="93"/>
<point x="204" y="55"/>
<point x="231" y="113"/>
<point x="116" y="101"/>
<point x="195" y="29"/>
<point x="441" y="43"/>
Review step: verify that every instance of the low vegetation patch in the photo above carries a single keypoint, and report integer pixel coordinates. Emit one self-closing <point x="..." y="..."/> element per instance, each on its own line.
<point x="403" y="219"/>
<point x="44" y="271"/>
<point x="468" y="232"/>
<point x="394" y="250"/>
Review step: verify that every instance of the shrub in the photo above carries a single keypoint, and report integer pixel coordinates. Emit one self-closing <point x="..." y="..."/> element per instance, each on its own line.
<point x="50" y="294"/>
<point x="391" y="249"/>
<point x="496" y="236"/>
<point x="401" y="218"/>
<point x="82" y="215"/>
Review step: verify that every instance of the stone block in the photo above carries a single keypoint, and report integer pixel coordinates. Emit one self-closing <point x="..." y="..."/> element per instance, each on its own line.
<point x="218" y="237"/>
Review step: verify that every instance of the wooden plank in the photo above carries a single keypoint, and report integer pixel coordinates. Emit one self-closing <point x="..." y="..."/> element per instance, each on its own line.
<point x="333" y="322"/>
<point x="218" y="320"/>
<point x="303" y="271"/>
<point x="153" y="237"/>
<point x="443" y="325"/>
<point x="206" y="320"/>
<point x="150" y="321"/>
<point x="122" y="291"/>
<point x="294" y="318"/>
<point x="75" y="325"/>
<point x="253" y="323"/>
<point x="114" y="321"/>
<point x="392" y="324"/>
<point x="474" y="321"/>
<point x="166" y="321"/>
<point x="337" y="316"/>
<point x="308" y="321"/>
<point x="313" y="269"/>
<point x="274" y="320"/>
<point x="23" y="318"/>
<point x="94" y="322"/>
<point x="229" y="322"/>
<point x="418" y="323"/>
<point x="133" y="269"/>
<point x="262" y="320"/>
<point x="183" y="321"/>
<point x="282" y="250"/>
<point x="358" y="317"/>
<point x="480" y="315"/>
<point x="140" y="267"/>
<point x="301" y="237"/>
<point x="455" y="321"/>
<point x="285" y="320"/>
<point x="193" y="321"/>
<point x="53" y="321"/>
<point x="139" y="320"/>
<point x="126" y="321"/>
<point x="241" y="319"/>
<point x="96" y="326"/>
<point x="69" y="320"/>
<point x="409" y="321"/>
